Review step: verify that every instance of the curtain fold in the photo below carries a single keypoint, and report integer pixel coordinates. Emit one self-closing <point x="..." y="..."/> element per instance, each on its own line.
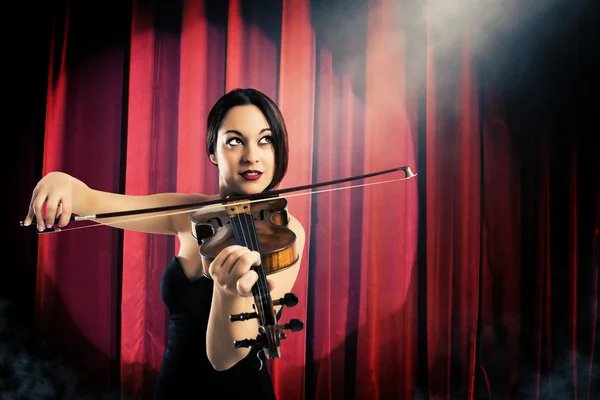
<point x="295" y="95"/>
<point x="454" y="201"/>
<point x="499" y="326"/>
<point x="385" y="364"/>
<point x="150" y="168"/>
<point x="77" y="304"/>
<point x="476" y="279"/>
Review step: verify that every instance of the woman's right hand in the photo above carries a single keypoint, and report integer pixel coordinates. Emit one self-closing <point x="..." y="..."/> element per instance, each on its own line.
<point x="55" y="190"/>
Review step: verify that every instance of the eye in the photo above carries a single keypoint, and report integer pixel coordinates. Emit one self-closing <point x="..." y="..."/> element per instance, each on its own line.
<point x="234" y="141"/>
<point x="266" y="140"/>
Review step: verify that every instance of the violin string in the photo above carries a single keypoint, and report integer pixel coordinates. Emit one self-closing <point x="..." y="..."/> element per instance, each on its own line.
<point x="218" y="206"/>
<point x="262" y="290"/>
<point x="263" y="284"/>
<point x="238" y="232"/>
<point x="248" y="244"/>
<point x="241" y="238"/>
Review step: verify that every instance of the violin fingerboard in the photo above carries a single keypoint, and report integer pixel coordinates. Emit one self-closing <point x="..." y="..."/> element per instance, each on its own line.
<point x="245" y="234"/>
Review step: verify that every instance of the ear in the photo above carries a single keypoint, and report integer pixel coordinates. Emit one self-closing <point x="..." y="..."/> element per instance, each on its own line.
<point x="213" y="159"/>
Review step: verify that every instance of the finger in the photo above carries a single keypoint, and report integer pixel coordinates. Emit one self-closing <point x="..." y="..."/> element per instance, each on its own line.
<point x="245" y="283"/>
<point x="38" y="210"/>
<point x="271" y="283"/>
<point x="30" y="211"/>
<point x="241" y="259"/>
<point x="215" y="266"/>
<point x="51" y="208"/>
<point x="65" y="214"/>
<point x="242" y="273"/>
<point x="243" y="263"/>
<point x="58" y="211"/>
<point x="225" y="253"/>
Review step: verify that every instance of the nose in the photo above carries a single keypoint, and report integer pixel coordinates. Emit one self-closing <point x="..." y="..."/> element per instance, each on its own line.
<point x="251" y="153"/>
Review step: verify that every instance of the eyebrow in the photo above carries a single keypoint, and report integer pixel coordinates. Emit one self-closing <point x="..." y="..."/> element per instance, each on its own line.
<point x="240" y="134"/>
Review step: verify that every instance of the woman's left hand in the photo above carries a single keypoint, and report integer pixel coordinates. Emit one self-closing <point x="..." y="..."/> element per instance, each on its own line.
<point x="231" y="271"/>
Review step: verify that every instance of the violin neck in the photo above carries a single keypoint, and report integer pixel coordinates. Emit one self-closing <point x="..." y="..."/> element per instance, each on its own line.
<point x="245" y="234"/>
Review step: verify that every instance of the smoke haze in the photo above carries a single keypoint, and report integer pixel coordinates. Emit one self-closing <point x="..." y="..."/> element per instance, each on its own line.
<point x="27" y="371"/>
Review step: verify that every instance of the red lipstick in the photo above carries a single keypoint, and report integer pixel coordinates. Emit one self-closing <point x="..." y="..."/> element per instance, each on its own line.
<point x="251" y="175"/>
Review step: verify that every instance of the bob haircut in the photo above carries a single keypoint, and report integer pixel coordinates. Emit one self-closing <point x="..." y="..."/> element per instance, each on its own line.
<point x="244" y="97"/>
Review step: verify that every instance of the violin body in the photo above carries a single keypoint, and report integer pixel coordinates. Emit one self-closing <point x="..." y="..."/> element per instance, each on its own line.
<point x="214" y="231"/>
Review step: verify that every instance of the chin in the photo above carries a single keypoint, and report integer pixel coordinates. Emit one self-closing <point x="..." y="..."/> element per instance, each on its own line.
<point x="254" y="188"/>
<point x="246" y="188"/>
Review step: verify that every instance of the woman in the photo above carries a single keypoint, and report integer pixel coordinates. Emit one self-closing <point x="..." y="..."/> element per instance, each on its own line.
<point x="247" y="141"/>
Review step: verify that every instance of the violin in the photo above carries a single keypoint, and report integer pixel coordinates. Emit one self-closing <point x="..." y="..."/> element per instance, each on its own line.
<point x="261" y="227"/>
<point x="259" y="222"/>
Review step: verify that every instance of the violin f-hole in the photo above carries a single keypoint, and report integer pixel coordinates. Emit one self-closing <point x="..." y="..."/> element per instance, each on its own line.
<point x="204" y="231"/>
<point x="279" y="217"/>
<point x="215" y="220"/>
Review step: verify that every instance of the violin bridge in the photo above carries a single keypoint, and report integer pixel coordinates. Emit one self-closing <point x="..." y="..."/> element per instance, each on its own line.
<point x="237" y="208"/>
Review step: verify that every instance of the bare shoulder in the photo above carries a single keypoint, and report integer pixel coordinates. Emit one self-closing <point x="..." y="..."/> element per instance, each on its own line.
<point x="298" y="229"/>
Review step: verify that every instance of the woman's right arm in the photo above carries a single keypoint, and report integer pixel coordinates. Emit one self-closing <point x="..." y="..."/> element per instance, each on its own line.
<point x="64" y="195"/>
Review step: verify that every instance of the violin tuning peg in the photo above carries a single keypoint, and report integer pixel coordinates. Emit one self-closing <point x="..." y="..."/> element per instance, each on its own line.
<point x="289" y="300"/>
<point x="294" y="325"/>
<point x="242" y="316"/>
<point x="244" y="343"/>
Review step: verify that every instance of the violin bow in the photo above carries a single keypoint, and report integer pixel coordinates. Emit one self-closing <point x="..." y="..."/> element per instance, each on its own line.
<point x="263" y="196"/>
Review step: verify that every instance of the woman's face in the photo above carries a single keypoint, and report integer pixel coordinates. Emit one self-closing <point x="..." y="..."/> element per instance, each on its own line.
<point x="244" y="152"/>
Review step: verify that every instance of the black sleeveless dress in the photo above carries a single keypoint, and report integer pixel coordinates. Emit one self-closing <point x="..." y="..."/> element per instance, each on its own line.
<point x="186" y="372"/>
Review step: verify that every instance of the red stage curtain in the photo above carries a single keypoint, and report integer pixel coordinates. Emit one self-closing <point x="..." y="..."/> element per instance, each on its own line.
<point x="296" y="98"/>
<point x="77" y="302"/>
<point x="476" y="279"/>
